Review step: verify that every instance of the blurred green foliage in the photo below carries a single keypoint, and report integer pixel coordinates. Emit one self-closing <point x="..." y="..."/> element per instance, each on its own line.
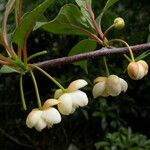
<point x="102" y="118"/>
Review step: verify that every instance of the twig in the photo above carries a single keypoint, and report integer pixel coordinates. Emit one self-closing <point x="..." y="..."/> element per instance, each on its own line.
<point x="101" y="52"/>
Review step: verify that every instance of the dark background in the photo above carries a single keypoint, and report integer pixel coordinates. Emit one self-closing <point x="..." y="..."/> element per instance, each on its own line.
<point x="90" y="124"/>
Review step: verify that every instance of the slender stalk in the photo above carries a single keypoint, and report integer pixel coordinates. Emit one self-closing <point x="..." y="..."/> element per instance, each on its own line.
<point x="92" y="35"/>
<point x="16" y="12"/>
<point x="125" y="43"/>
<point x="106" y="66"/>
<point x="50" y="77"/>
<point x="3" y="58"/>
<point x="36" y="90"/>
<point x="106" y="32"/>
<point x="4" y="62"/>
<point x="22" y="93"/>
<point x="25" y="55"/>
<point x="36" y="54"/>
<point x="18" y="15"/>
<point x="8" y="10"/>
<point x="89" y="10"/>
<point x="19" y="12"/>
<point x="127" y="57"/>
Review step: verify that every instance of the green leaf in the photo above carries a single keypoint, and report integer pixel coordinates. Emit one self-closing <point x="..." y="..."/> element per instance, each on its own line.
<point x="82" y="47"/>
<point x="107" y="6"/>
<point x="69" y="21"/>
<point x="7" y="69"/>
<point x="101" y="144"/>
<point x="83" y="9"/>
<point x="28" y="22"/>
<point x="143" y="55"/>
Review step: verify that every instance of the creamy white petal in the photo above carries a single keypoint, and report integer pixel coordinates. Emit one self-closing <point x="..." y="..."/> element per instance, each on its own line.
<point x="33" y="117"/>
<point x="51" y="116"/>
<point x="141" y="72"/>
<point x="40" y="125"/>
<point x="79" y="98"/>
<point x="124" y="85"/>
<point x="98" y="89"/>
<point x="113" y="86"/>
<point x="105" y="94"/>
<point x="145" y="66"/>
<point x="49" y="103"/>
<point x="77" y="84"/>
<point x="100" y="79"/>
<point x="58" y="93"/>
<point x="65" y="104"/>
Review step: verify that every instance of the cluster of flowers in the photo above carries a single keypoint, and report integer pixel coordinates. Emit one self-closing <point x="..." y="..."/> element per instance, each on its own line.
<point x="66" y="104"/>
<point x="113" y="85"/>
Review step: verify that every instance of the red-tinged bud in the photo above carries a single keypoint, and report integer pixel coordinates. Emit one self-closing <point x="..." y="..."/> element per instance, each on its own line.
<point x="137" y="70"/>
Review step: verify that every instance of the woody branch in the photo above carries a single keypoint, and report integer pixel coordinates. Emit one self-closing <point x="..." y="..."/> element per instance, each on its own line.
<point x="90" y="55"/>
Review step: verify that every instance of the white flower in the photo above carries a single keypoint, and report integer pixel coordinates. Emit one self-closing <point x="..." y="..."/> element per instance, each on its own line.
<point x="65" y="104"/>
<point x="79" y="99"/>
<point x="112" y="85"/>
<point x="77" y="84"/>
<point x="42" y="118"/>
<point x="51" y="116"/>
<point x="99" y="87"/>
<point x="49" y="103"/>
<point x="40" y="125"/>
<point x="74" y="98"/>
<point x="33" y="118"/>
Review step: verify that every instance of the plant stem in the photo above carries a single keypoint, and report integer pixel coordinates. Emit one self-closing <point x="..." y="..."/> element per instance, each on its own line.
<point x="8" y="48"/>
<point x="89" y="10"/>
<point x="3" y="58"/>
<point x="50" y="77"/>
<point x="106" y="66"/>
<point x="110" y="28"/>
<point x="18" y="14"/>
<point x="22" y="93"/>
<point x="36" y="90"/>
<point x="4" y="63"/>
<point x="104" y="51"/>
<point x="125" y="43"/>
<point x="127" y="57"/>
<point x="25" y="55"/>
<point x="36" y="54"/>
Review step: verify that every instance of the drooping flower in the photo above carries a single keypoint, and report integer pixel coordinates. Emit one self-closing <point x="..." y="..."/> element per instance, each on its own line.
<point x="41" y="119"/>
<point x="137" y="70"/>
<point x="65" y="104"/>
<point x="111" y="85"/>
<point x="74" y="98"/>
<point x="51" y="116"/>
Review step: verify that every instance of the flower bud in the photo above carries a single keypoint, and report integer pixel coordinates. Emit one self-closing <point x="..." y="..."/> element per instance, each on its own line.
<point x="137" y="70"/>
<point x="77" y="84"/>
<point x="119" y="23"/>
